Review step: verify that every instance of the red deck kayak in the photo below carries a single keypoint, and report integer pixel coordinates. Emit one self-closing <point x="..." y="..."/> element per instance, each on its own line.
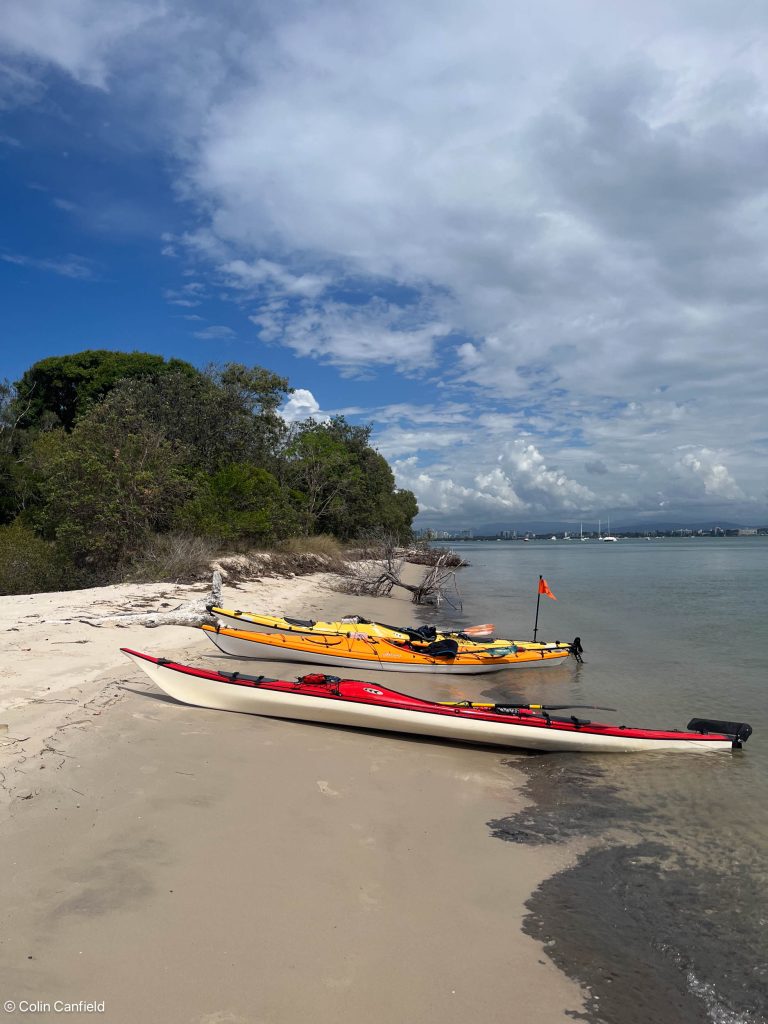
<point x="353" y="702"/>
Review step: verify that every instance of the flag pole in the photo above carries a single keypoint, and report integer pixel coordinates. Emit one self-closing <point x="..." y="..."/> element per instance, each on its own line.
<point x="538" y="601"/>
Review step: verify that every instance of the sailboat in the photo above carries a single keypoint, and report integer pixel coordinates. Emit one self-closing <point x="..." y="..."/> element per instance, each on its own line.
<point x="581" y="532"/>
<point x="608" y="537"/>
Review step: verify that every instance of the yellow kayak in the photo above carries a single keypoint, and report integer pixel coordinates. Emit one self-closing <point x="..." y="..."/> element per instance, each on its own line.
<point x="468" y="639"/>
<point x="358" y="651"/>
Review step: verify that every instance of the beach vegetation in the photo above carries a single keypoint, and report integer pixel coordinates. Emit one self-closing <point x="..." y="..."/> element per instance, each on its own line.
<point x="119" y="465"/>
<point x="173" y="556"/>
<point x="28" y="564"/>
<point x="322" y="544"/>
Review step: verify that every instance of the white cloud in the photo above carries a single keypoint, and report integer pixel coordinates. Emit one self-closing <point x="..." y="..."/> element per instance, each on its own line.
<point x="522" y="468"/>
<point x="216" y="332"/>
<point x="355" y="338"/>
<point x="261" y="273"/>
<point x="80" y="36"/>
<point x="189" y="295"/>
<point x="302" y="405"/>
<point x="713" y="475"/>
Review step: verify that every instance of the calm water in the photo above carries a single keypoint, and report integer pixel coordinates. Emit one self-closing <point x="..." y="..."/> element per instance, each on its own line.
<point x="667" y="919"/>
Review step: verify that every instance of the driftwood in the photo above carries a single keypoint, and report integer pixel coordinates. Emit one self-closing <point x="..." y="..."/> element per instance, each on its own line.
<point x="377" y="577"/>
<point x="425" y="555"/>
<point x="193" y="613"/>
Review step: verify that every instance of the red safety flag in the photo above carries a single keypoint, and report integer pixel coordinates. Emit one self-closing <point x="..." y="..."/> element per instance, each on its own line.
<point x="544" y="588"/>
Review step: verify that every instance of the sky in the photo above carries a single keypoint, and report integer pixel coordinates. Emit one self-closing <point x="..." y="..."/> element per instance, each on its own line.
<point x="528" y="243"/>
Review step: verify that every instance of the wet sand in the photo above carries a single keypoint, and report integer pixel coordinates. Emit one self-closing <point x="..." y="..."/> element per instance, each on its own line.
<point x="197" y="867"/>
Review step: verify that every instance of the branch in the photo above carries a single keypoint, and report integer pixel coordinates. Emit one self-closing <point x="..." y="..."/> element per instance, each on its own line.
<point x="194" y="613"/>
<point x="377" y="578"/>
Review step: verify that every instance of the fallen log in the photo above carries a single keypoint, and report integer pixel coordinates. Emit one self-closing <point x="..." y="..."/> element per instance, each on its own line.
<point x="192" y="613"/>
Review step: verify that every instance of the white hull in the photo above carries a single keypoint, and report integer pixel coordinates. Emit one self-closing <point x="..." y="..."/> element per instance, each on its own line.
<point x="237" y="647"/>
<point x="255" y="701"/>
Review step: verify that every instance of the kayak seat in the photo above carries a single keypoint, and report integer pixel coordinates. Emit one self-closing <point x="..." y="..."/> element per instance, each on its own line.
<point x="438" y="649"/>
<point x="300" y="622"/>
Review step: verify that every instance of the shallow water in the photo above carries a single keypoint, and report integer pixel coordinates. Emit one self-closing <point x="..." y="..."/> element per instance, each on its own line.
<point x="666" y="919"/>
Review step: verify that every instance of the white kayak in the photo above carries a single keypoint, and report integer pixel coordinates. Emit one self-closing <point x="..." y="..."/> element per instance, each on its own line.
<point x="350" y="702"/>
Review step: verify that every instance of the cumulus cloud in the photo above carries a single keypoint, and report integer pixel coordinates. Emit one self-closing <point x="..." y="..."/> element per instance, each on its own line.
<point x="302" y="405"/>
<point x="704" y="467"/>
<point x="261" y="274"/>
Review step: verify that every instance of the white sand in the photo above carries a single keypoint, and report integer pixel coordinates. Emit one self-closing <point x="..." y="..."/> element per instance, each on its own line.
<point x="195" y="867"/>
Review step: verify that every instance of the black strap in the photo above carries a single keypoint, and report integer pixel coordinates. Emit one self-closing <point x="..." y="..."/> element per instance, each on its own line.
<point x="235" y="677"/>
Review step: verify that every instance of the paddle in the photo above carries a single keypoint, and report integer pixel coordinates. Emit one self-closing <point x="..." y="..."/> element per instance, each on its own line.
<point x="483" y="630"/>
<point x="525" y="707"/>
<point x="415" y="632"/>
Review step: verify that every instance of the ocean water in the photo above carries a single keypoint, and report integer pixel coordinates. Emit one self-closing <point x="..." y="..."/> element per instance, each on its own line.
<point x="665" y="919"/>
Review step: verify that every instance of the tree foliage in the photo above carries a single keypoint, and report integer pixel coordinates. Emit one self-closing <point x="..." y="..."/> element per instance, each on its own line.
<point x="240" y="503"/>
<point x="103" y="453"/>
<point x="220" y="416"/>
<point x="348" y="487"/>
<point x="56" y="391"/>
<point x="106" y="488"/>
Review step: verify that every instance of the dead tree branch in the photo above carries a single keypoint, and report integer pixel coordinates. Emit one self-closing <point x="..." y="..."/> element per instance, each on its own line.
<point x="376" y="577"/>
<point x="194" y="613"/>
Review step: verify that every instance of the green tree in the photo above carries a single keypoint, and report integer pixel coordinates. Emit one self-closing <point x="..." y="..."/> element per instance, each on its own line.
<point x="239" y="502"/>
<point x="58" y="390"/>
<point x="17" y="489"/>
<point x="221" y="416"/>
<point x="321" y="468"/>
<point x="348" y="487"/>
<point x="107" y="486"/>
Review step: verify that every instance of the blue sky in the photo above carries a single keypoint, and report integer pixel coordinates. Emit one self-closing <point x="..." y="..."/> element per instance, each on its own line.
<point x="528" y="245"/>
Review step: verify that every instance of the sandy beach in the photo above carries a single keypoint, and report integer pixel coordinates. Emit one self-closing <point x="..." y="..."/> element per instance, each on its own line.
<point x="190" y="866"/>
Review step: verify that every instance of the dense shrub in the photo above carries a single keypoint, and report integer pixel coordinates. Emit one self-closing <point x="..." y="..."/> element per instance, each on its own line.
<point x="28" y="564"/>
